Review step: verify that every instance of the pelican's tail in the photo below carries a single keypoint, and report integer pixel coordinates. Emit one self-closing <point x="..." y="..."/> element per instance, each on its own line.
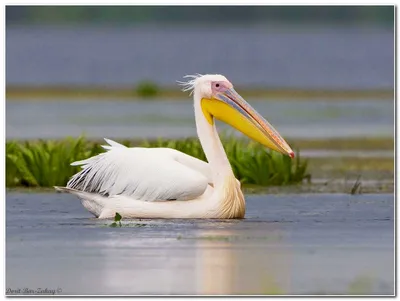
<point x="66" y="189"/>
<point x="93" y="202"/>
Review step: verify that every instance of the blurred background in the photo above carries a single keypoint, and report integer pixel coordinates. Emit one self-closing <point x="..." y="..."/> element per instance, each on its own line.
<point x="322" y="75"/>
<point x="93" y="52"/>
<point x="285" y="47"/>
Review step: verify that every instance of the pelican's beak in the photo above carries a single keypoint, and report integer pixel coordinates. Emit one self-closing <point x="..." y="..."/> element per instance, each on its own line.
<point x="231" y="108"/>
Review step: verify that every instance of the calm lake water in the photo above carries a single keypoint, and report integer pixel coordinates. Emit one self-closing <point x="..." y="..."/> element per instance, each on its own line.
<point x="341" y="57"/>
<point x="117" y="119"/>
<point x="288" y="244"/>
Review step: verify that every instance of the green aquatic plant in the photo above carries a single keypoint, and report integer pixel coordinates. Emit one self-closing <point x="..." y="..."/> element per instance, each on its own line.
<point x="117" y="220"/>
<point x="356" y="188"/>
<point x="47" y="163"/>
<point x="147" y="89"/>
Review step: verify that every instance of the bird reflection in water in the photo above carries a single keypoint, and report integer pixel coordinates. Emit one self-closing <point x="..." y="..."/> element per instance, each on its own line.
<point x="236" y="261"/>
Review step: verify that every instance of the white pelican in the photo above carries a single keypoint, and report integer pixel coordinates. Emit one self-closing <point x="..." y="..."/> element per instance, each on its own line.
<point x="165" y="183"/>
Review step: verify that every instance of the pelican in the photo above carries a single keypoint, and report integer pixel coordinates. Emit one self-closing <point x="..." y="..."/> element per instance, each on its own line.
<point x="165" y="183"/>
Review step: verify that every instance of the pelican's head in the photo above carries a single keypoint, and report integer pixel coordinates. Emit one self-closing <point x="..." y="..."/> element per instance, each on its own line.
<point x="219" y="99"/>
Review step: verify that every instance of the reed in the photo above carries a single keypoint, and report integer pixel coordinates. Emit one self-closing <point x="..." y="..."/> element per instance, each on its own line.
<point x="46" y="163"/>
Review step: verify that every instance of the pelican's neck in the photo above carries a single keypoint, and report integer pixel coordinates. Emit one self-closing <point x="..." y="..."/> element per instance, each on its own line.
<point x="211" y="144"/>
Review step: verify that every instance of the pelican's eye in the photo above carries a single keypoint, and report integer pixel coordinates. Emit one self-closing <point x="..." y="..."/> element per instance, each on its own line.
<point x="219" y="87"/>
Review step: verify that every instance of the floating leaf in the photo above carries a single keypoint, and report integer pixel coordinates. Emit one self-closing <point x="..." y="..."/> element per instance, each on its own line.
<point x="117" y="217"/>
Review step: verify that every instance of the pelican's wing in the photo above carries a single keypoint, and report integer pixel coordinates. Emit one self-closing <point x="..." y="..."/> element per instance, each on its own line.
<point x="146" y="174"/>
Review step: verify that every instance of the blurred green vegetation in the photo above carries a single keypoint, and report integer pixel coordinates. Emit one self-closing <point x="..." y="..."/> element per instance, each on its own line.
<point x="47" y="163"/>
<point x="44" y="163"/>
<point x="147" y="89"/>
<point x="96" y="93"/>
<point x="382" y="15"/>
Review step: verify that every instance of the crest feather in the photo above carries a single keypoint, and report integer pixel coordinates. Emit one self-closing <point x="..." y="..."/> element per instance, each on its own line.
<point x="189" y="85"/>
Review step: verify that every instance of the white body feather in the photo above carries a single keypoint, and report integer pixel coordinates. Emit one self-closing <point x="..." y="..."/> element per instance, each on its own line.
<point x="161" y="182"/>
<point x="147" y="174"/>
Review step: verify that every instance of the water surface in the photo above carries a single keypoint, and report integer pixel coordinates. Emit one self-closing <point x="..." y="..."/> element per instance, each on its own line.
<point x="118" y="119"/>
<point x="288" y="244"/>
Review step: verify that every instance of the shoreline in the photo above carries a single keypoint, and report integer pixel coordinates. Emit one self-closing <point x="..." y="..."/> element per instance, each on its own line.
<point x="329" y="174"/>
<point x="129" y="93"/>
